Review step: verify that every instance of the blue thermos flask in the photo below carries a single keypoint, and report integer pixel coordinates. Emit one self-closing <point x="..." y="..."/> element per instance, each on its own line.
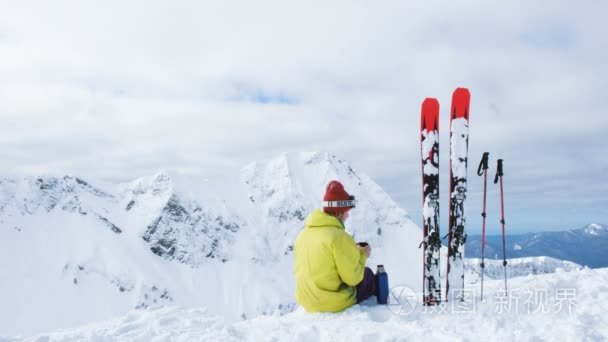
<point x="381" y="285"/>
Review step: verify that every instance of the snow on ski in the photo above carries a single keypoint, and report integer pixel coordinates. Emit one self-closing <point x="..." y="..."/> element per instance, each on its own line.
<point x="429" y="137"/>
<point x="459" y="141"/>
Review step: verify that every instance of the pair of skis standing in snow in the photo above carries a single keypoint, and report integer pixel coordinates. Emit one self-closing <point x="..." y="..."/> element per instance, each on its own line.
<point x="459" y="140"/>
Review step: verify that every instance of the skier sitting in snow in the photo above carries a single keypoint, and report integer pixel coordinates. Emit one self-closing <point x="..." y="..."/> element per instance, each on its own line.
<point x="329" y="266"/>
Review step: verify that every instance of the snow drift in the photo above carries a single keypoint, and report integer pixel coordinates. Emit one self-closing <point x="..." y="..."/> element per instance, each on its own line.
<point x="573" y="310"/>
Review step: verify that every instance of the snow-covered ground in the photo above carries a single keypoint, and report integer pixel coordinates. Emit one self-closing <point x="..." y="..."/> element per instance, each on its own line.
<point x="516" y="267"/>
<point x="563" y="306"/>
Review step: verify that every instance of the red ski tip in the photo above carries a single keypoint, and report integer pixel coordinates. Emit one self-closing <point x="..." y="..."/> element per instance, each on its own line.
<point x="430" y="115"/>
<point x="460" y="103"/>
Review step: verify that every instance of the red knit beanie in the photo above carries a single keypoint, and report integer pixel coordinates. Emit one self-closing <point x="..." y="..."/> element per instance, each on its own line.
<point x="336" y="199"/>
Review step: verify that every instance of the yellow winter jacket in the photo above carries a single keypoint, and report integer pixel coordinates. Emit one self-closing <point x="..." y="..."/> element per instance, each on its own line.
<point x="327" y="265"/>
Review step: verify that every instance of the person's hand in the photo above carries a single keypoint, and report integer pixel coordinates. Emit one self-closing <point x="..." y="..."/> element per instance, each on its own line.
<point x="366" y="249"/>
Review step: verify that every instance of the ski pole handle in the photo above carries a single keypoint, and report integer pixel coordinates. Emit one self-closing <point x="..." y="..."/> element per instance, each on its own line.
<point x="483" y="164"/>
<point x="498" y="170"/>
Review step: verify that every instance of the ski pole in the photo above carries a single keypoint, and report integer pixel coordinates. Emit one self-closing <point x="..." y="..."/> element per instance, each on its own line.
<point x="498" y="177"/>
<point x="483" y="170"/>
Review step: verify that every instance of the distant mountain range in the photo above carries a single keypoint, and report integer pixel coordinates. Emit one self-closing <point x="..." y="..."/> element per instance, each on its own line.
<point x="587" y="246"/>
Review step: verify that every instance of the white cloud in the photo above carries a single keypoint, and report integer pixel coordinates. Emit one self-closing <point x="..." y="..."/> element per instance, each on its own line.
<point x="120" y="89"/>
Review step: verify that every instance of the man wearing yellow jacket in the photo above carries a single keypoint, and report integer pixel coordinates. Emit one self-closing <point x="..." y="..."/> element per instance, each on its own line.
<point x="329" y="266"/>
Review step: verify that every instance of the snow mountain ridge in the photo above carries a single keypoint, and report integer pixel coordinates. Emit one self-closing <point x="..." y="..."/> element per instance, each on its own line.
<point x="99" y="249"/>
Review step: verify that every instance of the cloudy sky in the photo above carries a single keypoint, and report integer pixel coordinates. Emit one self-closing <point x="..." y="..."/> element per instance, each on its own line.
<point x="120" y="89"/>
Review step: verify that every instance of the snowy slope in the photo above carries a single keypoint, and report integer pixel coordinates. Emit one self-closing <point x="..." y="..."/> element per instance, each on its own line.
<point x="518" y="267"/>
<point x="573" y="310"/>
<point x="284" y="190"/>
<point x="69" y="246"/>
<point x="73" y="251"/>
